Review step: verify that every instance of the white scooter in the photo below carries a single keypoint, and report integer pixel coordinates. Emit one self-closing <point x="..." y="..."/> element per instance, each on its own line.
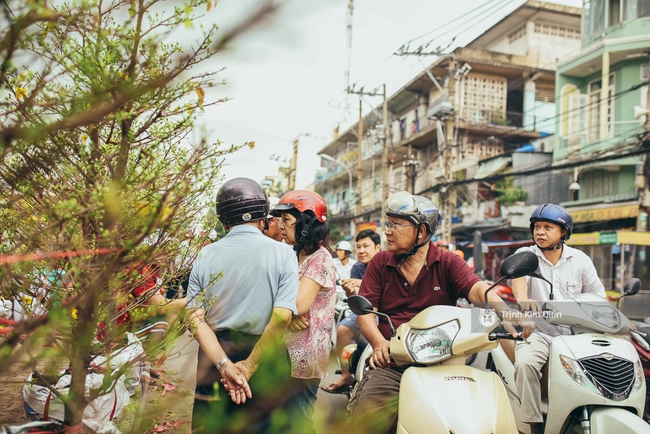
<point x="595" y="379"/>
<point x="438" y="392"/>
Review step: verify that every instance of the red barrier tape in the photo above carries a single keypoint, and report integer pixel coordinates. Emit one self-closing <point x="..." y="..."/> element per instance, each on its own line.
<point x="13" y="259"/>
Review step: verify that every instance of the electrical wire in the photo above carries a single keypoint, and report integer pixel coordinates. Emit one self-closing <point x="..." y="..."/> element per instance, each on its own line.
<point x="465" y="15"/>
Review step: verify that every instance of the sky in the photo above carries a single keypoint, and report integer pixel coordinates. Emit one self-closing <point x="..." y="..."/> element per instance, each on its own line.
<point x="285" y="80"/>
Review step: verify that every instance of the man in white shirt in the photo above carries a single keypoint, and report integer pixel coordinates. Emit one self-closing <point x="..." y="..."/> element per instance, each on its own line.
<point x="572" y="272"/>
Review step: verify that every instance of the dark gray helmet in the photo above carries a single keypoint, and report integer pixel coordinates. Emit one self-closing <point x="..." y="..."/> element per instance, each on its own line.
<point x="417" y="209"/>
<point x="241" y="200"/>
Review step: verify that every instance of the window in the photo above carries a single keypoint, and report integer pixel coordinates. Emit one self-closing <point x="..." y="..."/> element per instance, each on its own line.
<point x="544" y="93"/>
<point x="595" y="106"/>
<point x="596" y="184"/>
<point x="598" y="15"/>
<point x="633" y="9"/>
<point x="614" y="12"/>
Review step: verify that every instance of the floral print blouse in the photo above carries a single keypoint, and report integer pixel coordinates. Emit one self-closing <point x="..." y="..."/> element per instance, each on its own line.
<point x="310" y="348"/>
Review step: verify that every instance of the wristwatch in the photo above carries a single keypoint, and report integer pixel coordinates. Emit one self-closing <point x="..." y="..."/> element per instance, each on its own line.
<point x="222" y="362"/>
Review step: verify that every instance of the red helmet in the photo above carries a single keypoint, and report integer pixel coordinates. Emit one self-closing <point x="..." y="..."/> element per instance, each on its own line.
<point x="302" y="200"/>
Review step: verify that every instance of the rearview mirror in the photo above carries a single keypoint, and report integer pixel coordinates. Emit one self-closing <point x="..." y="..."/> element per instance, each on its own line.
<point x="519" y="265"/>
<point x="632" y="286"/>
<point x="360" y="305"/>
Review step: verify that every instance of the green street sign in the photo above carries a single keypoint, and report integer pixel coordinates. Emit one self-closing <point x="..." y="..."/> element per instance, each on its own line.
<point x="608" y="238"/>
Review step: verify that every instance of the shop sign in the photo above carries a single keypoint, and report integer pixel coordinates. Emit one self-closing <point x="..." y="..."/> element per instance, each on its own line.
<point x="607" y="238"/>
<point x="587" y="239"/>
<point x="605" y="214"/>
<point x="634" y="238"/>
<point x="363" y="226"/>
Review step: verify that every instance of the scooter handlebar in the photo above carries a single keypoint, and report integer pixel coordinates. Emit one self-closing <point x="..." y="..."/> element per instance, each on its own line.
<point x="500" y="333"/>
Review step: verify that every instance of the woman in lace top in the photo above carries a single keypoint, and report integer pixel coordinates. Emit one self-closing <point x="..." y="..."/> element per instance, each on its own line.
<point x="309" y="337"/>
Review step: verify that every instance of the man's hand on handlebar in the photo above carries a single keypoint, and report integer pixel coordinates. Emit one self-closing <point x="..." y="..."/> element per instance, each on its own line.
<point x="529" y="304"/>
<point x="380" y="357"/>
<point x="511" y="318"/>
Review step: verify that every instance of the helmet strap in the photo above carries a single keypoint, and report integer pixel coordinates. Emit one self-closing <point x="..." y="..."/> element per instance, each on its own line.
<point x="558" y="246"/>
<point x="416" y="245"/>
<point x="304" y="233"/>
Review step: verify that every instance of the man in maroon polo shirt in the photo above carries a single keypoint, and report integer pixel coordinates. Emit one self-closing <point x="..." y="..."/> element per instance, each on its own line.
<point x="407" y="278"/>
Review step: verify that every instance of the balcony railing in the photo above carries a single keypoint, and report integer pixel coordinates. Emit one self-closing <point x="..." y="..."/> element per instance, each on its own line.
<point x="326" y="173"/>
<point x="496" y="117"/>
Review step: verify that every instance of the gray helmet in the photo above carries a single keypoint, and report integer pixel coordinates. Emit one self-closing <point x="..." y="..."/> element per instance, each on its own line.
<point x="241" y="200"/>
<point x="417" y="209"/>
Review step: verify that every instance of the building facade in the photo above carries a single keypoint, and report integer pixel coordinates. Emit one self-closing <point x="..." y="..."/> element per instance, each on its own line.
<point x="600" y="91"/>
<point x="460" y="120"/>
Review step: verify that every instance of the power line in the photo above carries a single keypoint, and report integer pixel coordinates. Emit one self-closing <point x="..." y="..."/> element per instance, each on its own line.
<point x="607" y="155"/>
<point x="500" y="5"/>
<point x="453" y="21"/>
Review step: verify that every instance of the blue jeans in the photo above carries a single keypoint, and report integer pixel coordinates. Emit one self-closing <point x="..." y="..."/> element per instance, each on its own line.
<point x="301" y="404"/>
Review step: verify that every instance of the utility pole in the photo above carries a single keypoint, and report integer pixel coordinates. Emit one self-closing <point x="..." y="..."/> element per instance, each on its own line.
<point x="359" y="157"/>
<point x="411" y="166"/>
<point x="361" y="93"/>
<point x="384" y="156"/>
<point x="447" y="204"/>
<point x="445" y="138"/>
<point x="292" y="166"/>
<point x="647" y="102"/>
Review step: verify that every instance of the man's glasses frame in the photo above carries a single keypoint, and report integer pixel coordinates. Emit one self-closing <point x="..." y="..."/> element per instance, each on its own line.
<point x="392" y="226"/>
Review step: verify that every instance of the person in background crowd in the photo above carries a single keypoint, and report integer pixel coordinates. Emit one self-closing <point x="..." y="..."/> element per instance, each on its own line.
<point x="442" y="244"/>
<point x="273" y="228"/>
<point x="368" y="245"/>
<point x="303" y="225"/>
<point x="343" y="262"/>
<point x="242" y="294"/>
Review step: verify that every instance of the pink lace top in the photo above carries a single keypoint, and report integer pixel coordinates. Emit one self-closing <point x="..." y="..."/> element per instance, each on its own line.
<point x="310" y="348"/>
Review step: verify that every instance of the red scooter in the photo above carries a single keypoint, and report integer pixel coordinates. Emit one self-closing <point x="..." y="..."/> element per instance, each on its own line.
<point x="641" y="341"/>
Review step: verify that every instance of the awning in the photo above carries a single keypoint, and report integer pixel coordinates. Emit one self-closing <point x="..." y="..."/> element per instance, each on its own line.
<point x="611" y="165"/>
<point x="604" y="212"/>
<point x="490" y="167"/>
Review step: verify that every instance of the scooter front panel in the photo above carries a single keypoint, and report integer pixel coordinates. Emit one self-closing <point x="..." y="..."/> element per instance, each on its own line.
<point x="565" y="394"/>
<point x="454" y="398"/>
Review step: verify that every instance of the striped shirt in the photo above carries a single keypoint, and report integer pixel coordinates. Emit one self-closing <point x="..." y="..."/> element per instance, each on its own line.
<point x="573" y="274"/>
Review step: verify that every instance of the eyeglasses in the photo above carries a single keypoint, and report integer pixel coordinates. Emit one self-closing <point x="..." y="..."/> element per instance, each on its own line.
<point x="391" y="226"/>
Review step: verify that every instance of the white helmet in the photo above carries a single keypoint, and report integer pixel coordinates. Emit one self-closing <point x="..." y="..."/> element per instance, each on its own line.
<point x="344" y="245"/>
<point x="273" y="201"/>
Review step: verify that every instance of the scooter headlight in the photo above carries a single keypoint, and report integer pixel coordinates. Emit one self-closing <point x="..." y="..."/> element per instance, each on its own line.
<point x="639" y="378"/>
<point x="434" y="344"/>
<point x="577" y="374"/>
<point x="603" y="314"/>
